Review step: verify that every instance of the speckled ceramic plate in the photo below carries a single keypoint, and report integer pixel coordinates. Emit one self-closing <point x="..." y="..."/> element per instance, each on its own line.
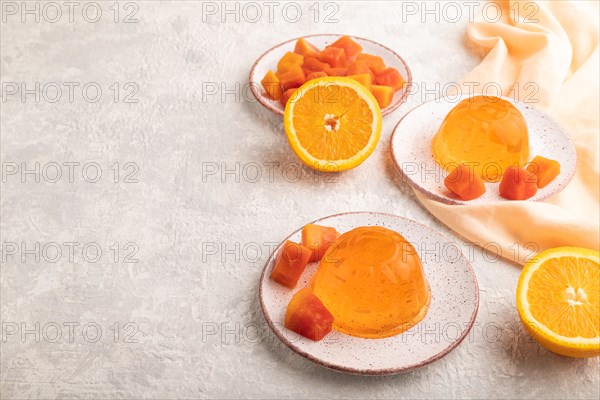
<point x="411" y="150"/>
<point x="270" y="58"/>
<point x="454" y="304"/>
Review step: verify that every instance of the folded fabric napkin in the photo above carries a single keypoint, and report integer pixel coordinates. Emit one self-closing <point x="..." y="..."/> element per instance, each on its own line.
<point x="553" y="44"/>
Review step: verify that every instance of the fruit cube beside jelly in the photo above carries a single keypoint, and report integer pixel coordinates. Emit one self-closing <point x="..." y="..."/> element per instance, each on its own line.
<point x="307" y="316"/>
<point x="518" y="184"/>
<point x="545" y="169"/>
<point x="318" y="238"/>
<point x="465" y="183"/>
<point x="290" y="263"/>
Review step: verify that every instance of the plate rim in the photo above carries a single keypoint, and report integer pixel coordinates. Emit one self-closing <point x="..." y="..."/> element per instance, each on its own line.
<point x="450" y="201"/>
<point x="357" y="371"/>
<point x="388" y="110"/>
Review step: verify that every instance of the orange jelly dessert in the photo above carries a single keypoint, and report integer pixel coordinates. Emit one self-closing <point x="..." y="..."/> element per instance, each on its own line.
<point x="488" y="132"/>
<point x="371" y="280"/>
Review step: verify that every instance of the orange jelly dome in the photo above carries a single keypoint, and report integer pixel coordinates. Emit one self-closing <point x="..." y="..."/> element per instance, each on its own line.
<point x="487" y="131"/>
<point x="371" y="280"/>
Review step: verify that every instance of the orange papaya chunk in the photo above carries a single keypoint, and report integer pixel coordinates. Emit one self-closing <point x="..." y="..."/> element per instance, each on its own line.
<point x="375" y="63"/>
<point x="359" y="68"/>
<point x="544" y="169"/>
<point x="315" y="75"/>
<point x="339" y="71"/>
<point x="292" y="78"/>
<point x="307" y="316"/>
<point x="289" y="61"/>
<point x="363" y="79"/>
<point x="390" y="77"/>
<point x="290" y="262"/>
<point x="350" y="47"/>
<point x="333" y="56"/>
<point x="286" y="96"/>
<point x="518" y="184"/>
<point x="306" y="49"/>
<point x="318" y="238"/>
<point x="383" y="95"/>
<point x="312" y="64"/>
<point x="465" y="183"/>
<point x="272" y="85"/>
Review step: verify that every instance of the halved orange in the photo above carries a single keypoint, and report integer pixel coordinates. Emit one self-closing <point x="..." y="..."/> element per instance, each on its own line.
<point x="558" y="299"/>
<point x="332" y="123"/>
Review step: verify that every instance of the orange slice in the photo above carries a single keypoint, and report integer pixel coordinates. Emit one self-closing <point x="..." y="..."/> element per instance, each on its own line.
<point x="558" y="298"/>
<point x="332" y="123"/>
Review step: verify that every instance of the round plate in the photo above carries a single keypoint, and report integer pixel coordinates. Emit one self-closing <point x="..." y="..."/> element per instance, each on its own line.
<point x="454" y="304"/>
<point x="268" y="61"/>
<point x="411" y="150"/>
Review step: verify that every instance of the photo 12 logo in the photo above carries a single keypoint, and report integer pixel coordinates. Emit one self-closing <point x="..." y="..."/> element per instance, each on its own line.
<point x="267" y="171"/>
<point x="453" y="92"/>
<point x="69" y="12"/>
<point x="68" y="332"/>
<point x="68" y="252"/>
<point x="69" y="92"/>
<point x="69" y="171"/>
<point x="454" y="11"/>
<point x="270" y="11"/>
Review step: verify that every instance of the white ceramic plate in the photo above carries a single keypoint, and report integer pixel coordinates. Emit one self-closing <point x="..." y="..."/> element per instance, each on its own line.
<point x="454" y="304"/>
<point x="410" y="148"/>
<point x="270" y="58"/>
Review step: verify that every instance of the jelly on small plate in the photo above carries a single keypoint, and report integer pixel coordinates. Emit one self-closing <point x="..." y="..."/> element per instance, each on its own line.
<point x="490" y="133"/>
<point x="402" y="305"/>
<point x="371" y="279"/>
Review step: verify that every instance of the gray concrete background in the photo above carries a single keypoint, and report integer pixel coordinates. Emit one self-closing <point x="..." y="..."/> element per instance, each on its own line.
<point x="184" y="321"/>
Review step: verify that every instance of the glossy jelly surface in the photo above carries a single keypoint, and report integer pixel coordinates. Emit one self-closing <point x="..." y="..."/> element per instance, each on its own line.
<point x="371" y="280"/>
<point x="488" y="133"/>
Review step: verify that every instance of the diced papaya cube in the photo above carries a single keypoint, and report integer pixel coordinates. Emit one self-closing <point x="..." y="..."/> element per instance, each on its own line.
<point x="318" y="238"/>
<point x="545" y="169"/>
<point x="272" y="85"/>
<point x="292" y="79"/>
<point x="307" y="316"/>
<point x="363" y="79"/>
<point x="518" y="184"/>
<point x="306" y="49"/>
<point x="339" y="71"/>
<point x="286" y="96"/>
<point x="375" y="63"/>
<point x="290" y="263"/>
<point x="390" y="77"/>
<point x="312" y="64"/>
<point x="289" y="61"/>
<point x="465" y="183"/>
<point x="315" y="75"/>
<point x="333" y="56"/>
<point x="383" y="95"/>
<point x="359" y="68"/>
<point x="351" y="48"/>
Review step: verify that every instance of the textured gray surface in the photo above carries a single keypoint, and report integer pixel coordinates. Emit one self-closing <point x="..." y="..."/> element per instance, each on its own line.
<point x="200" y="333"/>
